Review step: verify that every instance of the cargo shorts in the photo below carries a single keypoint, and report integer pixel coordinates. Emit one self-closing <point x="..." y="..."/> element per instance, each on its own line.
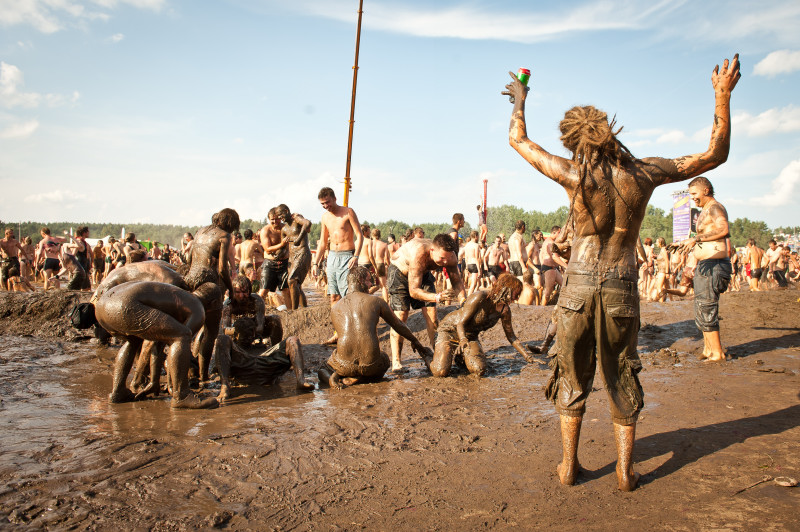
<point x="598" y="319"/>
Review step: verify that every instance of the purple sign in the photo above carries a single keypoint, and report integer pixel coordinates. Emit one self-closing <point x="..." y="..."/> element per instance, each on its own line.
<point x="681" y="215"/>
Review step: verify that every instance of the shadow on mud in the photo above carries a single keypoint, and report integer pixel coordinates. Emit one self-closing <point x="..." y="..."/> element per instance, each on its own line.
<point x="702" y="441"/>
<point x="764" y="345"/>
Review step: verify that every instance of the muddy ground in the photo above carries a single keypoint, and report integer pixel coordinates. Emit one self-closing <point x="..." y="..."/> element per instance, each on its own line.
<point x="411" y="452"/>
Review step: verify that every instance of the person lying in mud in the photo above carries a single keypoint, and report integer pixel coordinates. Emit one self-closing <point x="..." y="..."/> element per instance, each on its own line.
<point x="209" y="276"/>
<point x="598" y="309"/>
<point x="146" y="311"/>
<point x="244" y="321"/>
<point x="358" y="357"/>
<point x="457" y="336"/>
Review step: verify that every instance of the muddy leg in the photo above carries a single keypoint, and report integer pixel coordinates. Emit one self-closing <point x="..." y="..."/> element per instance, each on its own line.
<point x="178" y="362"/>
<point x="295" y="352"/>
<point x="625" y="436"/>
<point x="431" y="322"/>
<point x="142" y="366"/>
<point x="714" y="351"/>
<point x="206" y="344"/>
<point x="122" y="367"/>
<point x="475" y="359"/>
<point x="570" y="434"/>
<point x="396" y="341"/>
<point x="442" y="360"/>
<point x="222" y="353"/>
<point x="331" y="378"/>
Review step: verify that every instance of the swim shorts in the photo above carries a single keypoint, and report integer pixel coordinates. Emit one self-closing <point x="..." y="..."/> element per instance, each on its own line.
<point x="337" y="271"/>
<point x="381" y="269"/>
<point x="52" y="264"/>
<point x="755" y="274"/>
<point x="711" y="278"/>
<point x="495" y="270"/>
<point x="399" y="297"/>
<point x="472" y="268"/>
<point x="516" y="268"/>
<point x="274" y="274"/>
<point x="598" y="321"/>
<point x="99" y="265"/>
<point x="544" y="268"/>
<point x="10" y="268"/>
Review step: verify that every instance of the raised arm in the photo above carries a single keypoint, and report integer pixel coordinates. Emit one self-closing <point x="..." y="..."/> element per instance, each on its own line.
<point x="688" y="166"/>
<point x="556" y="168"/>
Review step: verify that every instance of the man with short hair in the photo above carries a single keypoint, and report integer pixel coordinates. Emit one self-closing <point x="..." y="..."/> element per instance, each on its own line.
<point x="549" y="262"/>
<point x="10" y="248"/>
<point x="534" y="262"/>
<point x="494" y="259"/>
<point x="412" y="286"/>
<point x="275" y="270"/>
<point x="472" y="257"/>
<point x="296" y="227"/>
<point x="777" y="265"/>
<point x="517" y="250"/>
<point x="339" y="226"/>
<point x="381" y="252"/>
<point x="753" y="256"/>
<point x="458" y="223"/>
<point x="598" y="310"/>
<point x="47" y="253"/>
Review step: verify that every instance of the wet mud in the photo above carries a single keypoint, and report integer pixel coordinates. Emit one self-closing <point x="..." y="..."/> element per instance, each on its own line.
<point x="412" y="451"/>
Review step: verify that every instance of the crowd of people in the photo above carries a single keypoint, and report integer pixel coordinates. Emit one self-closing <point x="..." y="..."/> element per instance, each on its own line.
<point x="204" y="305"/>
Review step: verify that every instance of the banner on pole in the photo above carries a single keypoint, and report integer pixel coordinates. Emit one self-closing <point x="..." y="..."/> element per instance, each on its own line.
<point x="681" y="215"/>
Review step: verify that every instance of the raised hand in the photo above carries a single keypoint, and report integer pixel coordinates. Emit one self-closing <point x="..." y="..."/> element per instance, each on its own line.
<point x="726" y="79"/>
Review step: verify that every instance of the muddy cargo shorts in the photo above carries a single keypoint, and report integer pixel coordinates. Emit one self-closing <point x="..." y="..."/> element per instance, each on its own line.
<point x="711" y="278"/>
<point x="399" y="296"/>
<point x="597" y="322"/>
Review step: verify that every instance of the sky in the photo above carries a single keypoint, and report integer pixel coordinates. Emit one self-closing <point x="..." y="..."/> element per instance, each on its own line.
<point x="166" y="111"/>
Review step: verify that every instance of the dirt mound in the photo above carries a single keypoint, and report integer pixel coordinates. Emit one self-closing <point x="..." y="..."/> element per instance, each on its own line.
<point x="44" y="314"/>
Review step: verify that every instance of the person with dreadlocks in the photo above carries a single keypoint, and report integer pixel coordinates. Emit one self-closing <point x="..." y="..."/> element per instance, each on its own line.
<point x="598" y="310"/>
<point x="457" y="336"/>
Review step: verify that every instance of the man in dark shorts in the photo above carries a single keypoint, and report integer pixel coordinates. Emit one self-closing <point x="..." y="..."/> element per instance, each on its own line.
<point x="47" y="254"/>
<point x="598" y="308"/>
<point x="357" y="357"/>
<point x="494" y="258"/>
<point x="517" y="250"/>
<point x="9" y="247"/>
<point x="275" y="269"/>
<point x="244" y="321"/>
<point x="412" y="285"/>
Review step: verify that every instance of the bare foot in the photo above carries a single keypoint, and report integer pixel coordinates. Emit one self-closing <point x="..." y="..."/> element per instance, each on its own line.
<point x="335" y="383"/>
<point x="397" y="370"/>
<point x="224" y="393"/>
<point x="193" y="402"/>
<point x="627" y="481"/>
<point x="715" y="357"/>
<point x="147" y="390"/>
<point x="566" y="474"/>
<point x="122" y="396"/>
<point x="305" y="386"/>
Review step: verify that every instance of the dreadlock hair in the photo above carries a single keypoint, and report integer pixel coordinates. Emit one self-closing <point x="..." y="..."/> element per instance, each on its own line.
<point x="507" y="288"/>
<point x="587" y="133"/>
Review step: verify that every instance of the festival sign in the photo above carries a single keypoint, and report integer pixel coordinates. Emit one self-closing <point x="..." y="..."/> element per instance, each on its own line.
<point x="681" y="215"/>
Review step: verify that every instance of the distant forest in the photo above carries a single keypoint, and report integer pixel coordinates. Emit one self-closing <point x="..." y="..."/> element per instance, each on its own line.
<point x="501" y="219"/>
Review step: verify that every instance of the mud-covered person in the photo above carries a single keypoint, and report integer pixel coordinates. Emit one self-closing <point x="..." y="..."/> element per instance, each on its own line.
<point x="777" y="263"/>
<point x="412" y="285"/>
<point x="457" y="335"/>
<point x="247" y="251"/>
<point x="549" y="263"/>
<point x="209" y="277"/>
<point x="517" y="250"/>
<point x="713" y="272"/>
<point x="608" y="189"/>
<point x="156" y="312"/>
<point x="341" y="236"/>
<point x="358" y="357"/>
<point x="381" y="252"/>
<point x="275" y="269"/>
<point x="296" y="227"/>
<point x="10" y="248"/>
<point x="366" y="259"/>
<point x="244" y="320"/>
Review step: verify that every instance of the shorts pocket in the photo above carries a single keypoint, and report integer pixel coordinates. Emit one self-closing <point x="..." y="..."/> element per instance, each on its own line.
<point x="570" y="302"/>
<point x="622" y="311"/>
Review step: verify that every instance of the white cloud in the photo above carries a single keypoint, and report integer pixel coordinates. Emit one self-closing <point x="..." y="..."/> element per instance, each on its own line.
<point x="57" y="196"/>
<point x="19" y="131"/>
<point x="783" y="187"/>
<point x="785" y="120"/>
<point x="117" y="37"/>
<point x="50" y="16"/>
<point x="779" y="62"/>
<point x="11" y="80"/>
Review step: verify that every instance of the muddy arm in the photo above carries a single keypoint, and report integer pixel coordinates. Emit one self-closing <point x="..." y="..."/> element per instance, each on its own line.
<point x="305" y="227"/>
<point x="399" y="327"/>
<point x="508" y="328"/>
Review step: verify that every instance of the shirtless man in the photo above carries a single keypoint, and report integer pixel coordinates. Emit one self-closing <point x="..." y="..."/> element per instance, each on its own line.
<point x="472" y="257"/>
<point x="210" y="275"/>
<point x="244" y="320"/>
<point x="47" y="254"/>
<point x="156" y="312"/>
<point x="247" y="251"/>
<point x="186" y="247"/>
<point x="777" y="263"/>
<point x="27" y="259"/>
<point x="366" y="259"/>
<point x="275" y="270"/>
<point x="381" y="251"/>
<point x="493" y="260"/>
<point x="412" y="286"/>
<point x="458" y="332"/>
<point x="713" y="272"/>
<point x="549" y="262"/>
<point x="131" y="245"/>
<point x="358" y="357"/>
<point x="339" y="226"/>
<point x="517" y="250"/>
<point x="534" y="262"/>
<point x="296" y="228"/>
<point x="646" y="269"/>
<point x="98" y="262"/>
<point x="455" y="230"/>
<point x="529" y="295"/>
<point x="661" y="271"/>
<point x="393" y="244"/>
<point x="608" y="189"/>
<point x="9" y="251"/>
<point x="110" y="252"/>
<point x="753" y="256"/>
<point x="484" y="229"/>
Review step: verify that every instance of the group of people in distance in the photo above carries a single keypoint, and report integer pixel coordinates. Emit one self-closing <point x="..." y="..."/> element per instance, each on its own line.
<point x="164" y="314"/>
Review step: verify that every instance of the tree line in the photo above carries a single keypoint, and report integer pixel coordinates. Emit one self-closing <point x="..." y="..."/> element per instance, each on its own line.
<point x="502" y="219"/>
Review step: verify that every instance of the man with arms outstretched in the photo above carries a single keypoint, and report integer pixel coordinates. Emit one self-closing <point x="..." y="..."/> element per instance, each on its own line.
<point x="599" y="306"/>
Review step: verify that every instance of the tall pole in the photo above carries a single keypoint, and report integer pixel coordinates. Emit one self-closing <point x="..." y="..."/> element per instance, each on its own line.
<point x="352" y="108"/>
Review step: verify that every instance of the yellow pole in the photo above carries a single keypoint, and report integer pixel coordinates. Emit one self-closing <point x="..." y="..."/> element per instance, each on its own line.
<point x="352" y="109"/>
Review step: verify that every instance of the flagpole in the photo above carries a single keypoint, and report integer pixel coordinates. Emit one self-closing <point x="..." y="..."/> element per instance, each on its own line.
<point x="352" y="108"/>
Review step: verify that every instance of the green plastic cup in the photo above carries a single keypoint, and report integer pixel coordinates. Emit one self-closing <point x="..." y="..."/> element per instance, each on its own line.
<point x="523" y="75"/>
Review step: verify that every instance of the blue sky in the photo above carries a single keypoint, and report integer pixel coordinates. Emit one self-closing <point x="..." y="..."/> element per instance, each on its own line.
<point x="165" y="111"/>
